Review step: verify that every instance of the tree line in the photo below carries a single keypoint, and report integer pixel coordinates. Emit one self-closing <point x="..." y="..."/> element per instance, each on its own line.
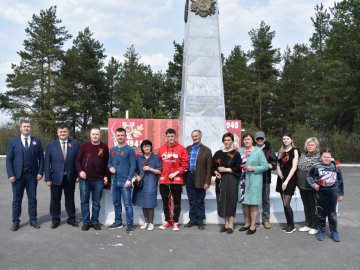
<point x="313" y="85"/>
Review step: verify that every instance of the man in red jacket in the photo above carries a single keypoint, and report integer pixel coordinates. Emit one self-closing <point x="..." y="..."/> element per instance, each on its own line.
<point x="175" y="160"/>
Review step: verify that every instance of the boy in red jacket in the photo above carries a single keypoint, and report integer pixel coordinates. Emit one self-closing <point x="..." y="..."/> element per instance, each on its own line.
<point x="175" y="160"/>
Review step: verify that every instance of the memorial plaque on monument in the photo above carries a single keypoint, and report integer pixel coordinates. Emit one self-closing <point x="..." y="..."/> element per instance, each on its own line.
<point x="202" y="99"/>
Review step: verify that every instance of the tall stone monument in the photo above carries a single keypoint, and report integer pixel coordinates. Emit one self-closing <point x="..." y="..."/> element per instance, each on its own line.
<point x="202" y="99"/>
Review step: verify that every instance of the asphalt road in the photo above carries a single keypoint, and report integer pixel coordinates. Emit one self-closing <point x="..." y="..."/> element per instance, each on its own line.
<point x="70" y="248"/>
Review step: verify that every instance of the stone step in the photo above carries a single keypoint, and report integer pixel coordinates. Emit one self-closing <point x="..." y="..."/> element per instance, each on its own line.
<point x="276" y="208"/>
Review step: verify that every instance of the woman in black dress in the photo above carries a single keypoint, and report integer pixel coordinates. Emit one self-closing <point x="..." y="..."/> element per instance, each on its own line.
<point x="288" y="157"/>
<point x="226" y="168"/>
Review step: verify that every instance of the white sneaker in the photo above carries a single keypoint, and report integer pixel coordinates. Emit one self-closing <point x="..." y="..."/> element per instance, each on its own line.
<point x="165" y="225"/>
<point x="175" y="226"/>
<point x="150" y="227"/>
<point x="304" y="229"/>
<point x="313" y="231"/>
<point x="144" y="226"/>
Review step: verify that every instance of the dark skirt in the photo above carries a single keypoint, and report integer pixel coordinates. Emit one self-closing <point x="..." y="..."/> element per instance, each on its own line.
<point x="290" y="188"/>
<point x="227" y="195"/>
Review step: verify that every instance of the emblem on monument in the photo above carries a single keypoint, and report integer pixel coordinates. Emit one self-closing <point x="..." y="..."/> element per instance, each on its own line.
<point x="203" y="7"/>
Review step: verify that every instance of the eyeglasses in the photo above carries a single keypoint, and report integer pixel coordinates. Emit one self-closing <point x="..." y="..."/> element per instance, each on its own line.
<point x="259" y="139"/>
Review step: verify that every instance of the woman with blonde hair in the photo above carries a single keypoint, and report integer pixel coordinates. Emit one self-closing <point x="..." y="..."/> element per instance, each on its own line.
<point x="307" y="193"/>
<point x="287" y="161"/>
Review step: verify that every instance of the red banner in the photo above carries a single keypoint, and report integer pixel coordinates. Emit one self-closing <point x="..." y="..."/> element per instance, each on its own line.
<point x="138" y="129"/>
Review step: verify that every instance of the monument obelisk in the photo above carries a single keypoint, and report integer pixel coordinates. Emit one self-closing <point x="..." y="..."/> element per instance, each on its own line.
<point x="202" y="99"/>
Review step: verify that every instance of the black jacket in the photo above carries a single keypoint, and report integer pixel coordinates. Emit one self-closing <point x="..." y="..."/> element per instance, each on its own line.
<point x="270" y="155"/>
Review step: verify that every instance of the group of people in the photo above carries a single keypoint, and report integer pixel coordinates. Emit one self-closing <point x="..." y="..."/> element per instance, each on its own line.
<point x="241" y="176"/>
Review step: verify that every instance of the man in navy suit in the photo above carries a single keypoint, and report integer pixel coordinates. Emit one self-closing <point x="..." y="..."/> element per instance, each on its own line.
<point x="25" y="167"/>
<point x="60" y="174"/>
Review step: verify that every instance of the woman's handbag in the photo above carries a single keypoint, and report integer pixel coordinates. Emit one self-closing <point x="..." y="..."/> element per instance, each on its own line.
<point x="138" y="184"/>
<point x="302" y="179"/>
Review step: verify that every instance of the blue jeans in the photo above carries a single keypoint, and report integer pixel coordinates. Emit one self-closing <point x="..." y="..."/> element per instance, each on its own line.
<point x="28" y="182"/>
<point x="95" y="188"/>
<point x="119" y="190"/>
<point x="196" y="200"/>
<point x="326" y="207"/>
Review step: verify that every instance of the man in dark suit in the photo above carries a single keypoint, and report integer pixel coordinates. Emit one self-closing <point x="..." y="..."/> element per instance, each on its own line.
<point x="25" y="167"/>
<point x="198" y="179"/>
<point x="60" y="174"/>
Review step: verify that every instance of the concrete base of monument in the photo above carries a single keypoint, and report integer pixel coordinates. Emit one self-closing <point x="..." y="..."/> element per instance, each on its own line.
<point x="276" y="209"/>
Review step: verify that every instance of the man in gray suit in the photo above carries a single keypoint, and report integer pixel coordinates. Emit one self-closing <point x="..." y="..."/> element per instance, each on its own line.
<point x="198" y="179"/>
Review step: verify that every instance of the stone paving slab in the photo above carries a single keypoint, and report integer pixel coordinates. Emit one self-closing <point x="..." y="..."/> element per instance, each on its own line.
<point x="70" y="248"/>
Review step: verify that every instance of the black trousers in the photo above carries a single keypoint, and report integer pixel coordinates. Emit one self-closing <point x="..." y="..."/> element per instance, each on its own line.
<point x="55" y="200"/>
<point x="309" y="201"/>
<point x="166" y="191"/>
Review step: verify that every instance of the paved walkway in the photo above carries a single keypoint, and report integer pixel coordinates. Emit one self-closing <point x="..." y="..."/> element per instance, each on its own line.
<point x="70" y="248"/>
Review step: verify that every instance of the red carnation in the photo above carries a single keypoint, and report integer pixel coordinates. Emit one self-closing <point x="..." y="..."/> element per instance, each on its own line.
<point x="321" y="181"/>
<point x="338" y="163"/>
<point x="230" y="155"/>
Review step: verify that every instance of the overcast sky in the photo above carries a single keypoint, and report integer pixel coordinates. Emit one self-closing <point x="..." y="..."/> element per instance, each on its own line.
<point x="152" y="25"/>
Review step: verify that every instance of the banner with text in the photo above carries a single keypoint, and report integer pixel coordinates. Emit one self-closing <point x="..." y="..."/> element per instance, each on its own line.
<point x="138" y="129"/>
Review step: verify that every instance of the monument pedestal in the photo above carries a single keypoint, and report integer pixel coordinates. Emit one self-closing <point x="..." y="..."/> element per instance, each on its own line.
<point x="276" y="208"/>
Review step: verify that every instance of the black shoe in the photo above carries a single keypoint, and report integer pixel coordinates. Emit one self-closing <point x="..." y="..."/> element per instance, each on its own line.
<point x="115" y="226"/>
<point x="201" y="227"/>
<point x="243" y="228"/>
<point x="73" y="223"/>
<point x="97" y="227"/>
<point x="290" y="229"/>
<point x="223" y="229"/>
<point x="229" y="231"/>
<point x="129" y="228"/>
<point x="188" y="225"/>
<point x="85" y="227"/>
<point x="35" y="225"/>
<point x="55" y="225"/>
<point x="14" y="227"/>
<point x="249" y="232"/>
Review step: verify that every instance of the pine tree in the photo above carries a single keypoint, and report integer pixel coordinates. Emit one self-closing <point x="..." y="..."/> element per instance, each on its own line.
<point x="112" y="84"/>
<point x="135" y="78"/>
<point x="264" y="59"/>
<point x="83" y="99"/>
<point x="172" y="88"/>
<point x="32" y="83"/>
<point x="239" y="95"/>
